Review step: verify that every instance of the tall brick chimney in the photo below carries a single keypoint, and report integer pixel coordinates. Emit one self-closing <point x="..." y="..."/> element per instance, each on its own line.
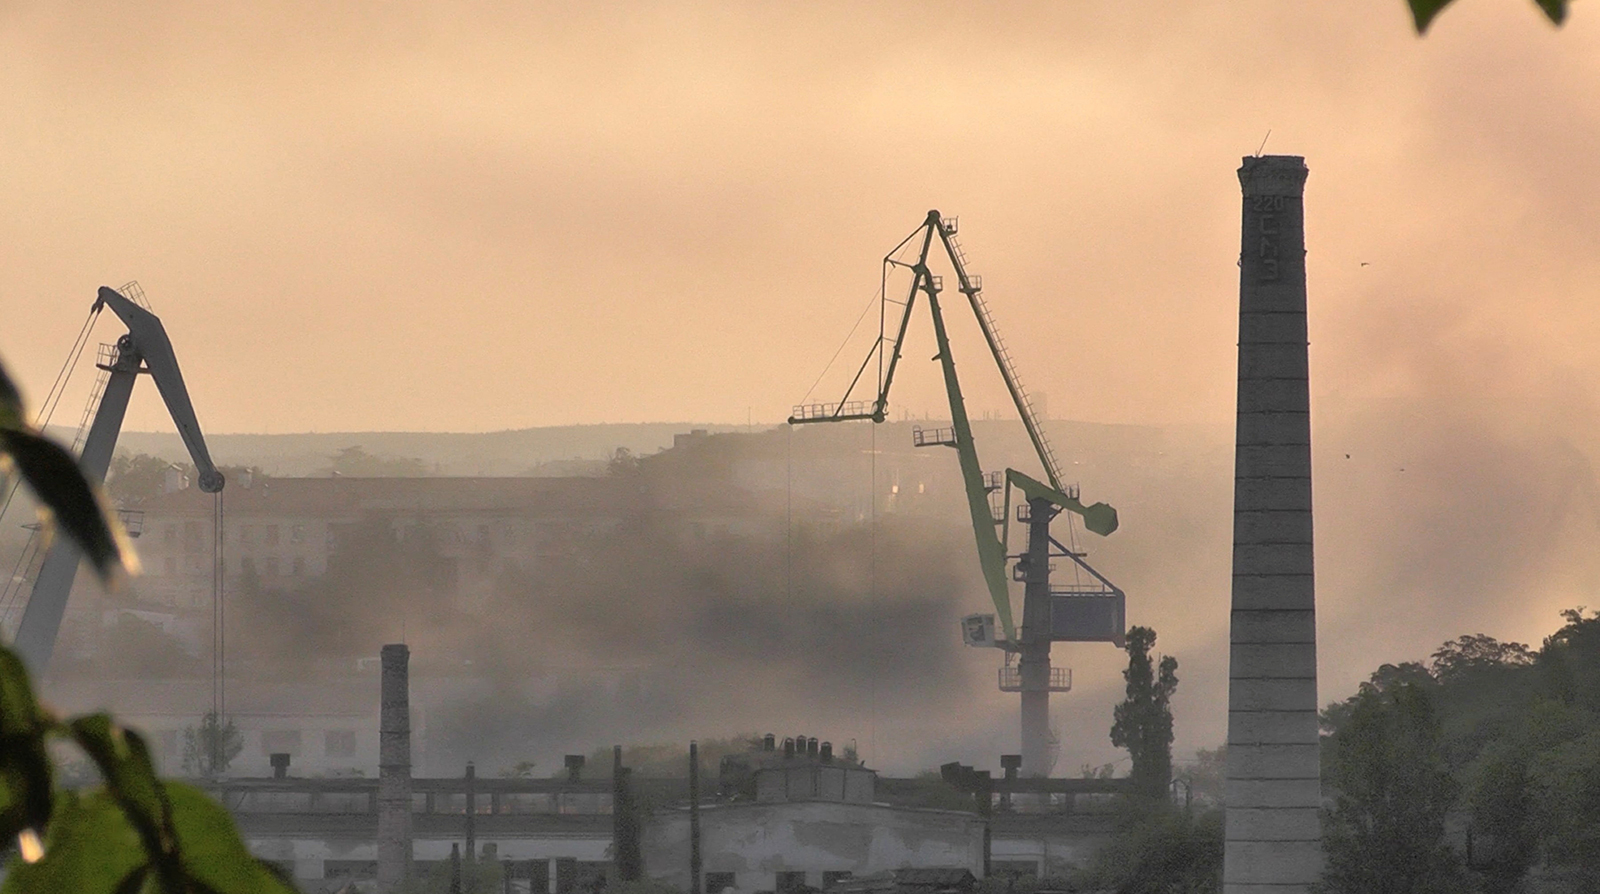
<point x="394" y="772"/>
<point x="1273" y="839"/>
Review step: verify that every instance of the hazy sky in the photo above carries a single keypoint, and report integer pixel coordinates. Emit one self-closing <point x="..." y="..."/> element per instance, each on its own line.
<point x="468" y="217"/>
<point x="485" y="216"/>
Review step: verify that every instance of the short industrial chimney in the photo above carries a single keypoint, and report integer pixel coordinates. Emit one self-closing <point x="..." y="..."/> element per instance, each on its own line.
<point x="1273" y="839"/>
<point x="394" y="772"/>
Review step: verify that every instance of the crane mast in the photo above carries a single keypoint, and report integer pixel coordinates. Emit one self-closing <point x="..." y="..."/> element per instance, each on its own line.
<point x="145" y="348"/>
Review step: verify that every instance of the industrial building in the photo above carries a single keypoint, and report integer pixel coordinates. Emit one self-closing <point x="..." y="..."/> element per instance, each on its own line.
<point x="783" y="818"/>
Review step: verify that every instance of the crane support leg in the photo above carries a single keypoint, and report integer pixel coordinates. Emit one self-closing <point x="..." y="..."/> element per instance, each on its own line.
<point x="1034" y="663"/>
<point x="36" y="636"/>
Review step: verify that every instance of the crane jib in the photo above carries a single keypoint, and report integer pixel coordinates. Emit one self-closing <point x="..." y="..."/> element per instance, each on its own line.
<point x="145" y="349"/>
<point x="1098" y="518"/>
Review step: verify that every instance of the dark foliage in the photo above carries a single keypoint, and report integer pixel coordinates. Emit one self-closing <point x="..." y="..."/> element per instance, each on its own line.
<point x="1159" y="849"/>
<point x="1506" y="738"/>
<point x="1385" y="834"/>
<point x="1143" y="722"/>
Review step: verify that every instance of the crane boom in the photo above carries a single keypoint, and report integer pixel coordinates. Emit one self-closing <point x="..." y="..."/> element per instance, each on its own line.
<point x="991" y="552"/>
<point x="144" y="349"/>
<point x="997" y="347"/>
<point x="1099" y="518"/>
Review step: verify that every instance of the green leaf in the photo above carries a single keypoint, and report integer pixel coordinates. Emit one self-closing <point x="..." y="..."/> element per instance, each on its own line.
<point x="1555" y="10"/>
<point x="1423" y="11"/>
<point x="212" y="852"/>
<point x="133" y="882"/>
<point x="90" y="849"/>
<point x="26" y="778"/>
<point x="55" y="478"/>
<point x="11" y="413"/>
<point x="130" y="778"/>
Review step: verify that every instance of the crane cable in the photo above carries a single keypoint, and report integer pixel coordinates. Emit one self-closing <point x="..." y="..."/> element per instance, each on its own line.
<point x="11" y="592"/>
<point x="53" y="399"/>
<point x="219" y="703"/>
<point x="872" y="596"/>
<point x="875" y="299"/>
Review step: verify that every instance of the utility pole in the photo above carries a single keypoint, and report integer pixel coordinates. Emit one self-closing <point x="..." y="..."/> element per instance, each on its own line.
<point x="624" y="821"/>
<point x="694" y="819"/>
<point x="472" y="812"/>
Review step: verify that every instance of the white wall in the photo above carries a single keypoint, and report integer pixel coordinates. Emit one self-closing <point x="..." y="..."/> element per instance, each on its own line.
<point x="757" y="841"/>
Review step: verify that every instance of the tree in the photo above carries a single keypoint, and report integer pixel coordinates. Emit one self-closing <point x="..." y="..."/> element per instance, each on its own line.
<point x="1518" y="731"/>
<point x="1565" y="783"/>
<point x="519" y="770"/>
<point x="1143" y="722"/>
<point x="1207" y="774"/>
<point x="209" y="748"/>
<point x="1335" y="716"/>
<point x="354" y="462"/>
<point x="622" y="464"/>
<point x="1158" y="849"/>
<point x="1568" y="666"/>
<point x="1467" y="654"/>
<point x="1424" y="11"/>
<point x="132" y="479"/>
<point x="1506" y="842"/>
<point x="1385" y="834"/>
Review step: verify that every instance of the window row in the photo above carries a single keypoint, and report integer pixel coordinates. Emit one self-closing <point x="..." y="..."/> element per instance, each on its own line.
<point x="193" y="532"/>
<point x="269" y="566"/>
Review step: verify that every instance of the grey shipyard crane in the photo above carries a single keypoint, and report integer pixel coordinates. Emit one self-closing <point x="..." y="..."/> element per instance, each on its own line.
<point x="145" y="348"/>
<point x="1093" y="611"/>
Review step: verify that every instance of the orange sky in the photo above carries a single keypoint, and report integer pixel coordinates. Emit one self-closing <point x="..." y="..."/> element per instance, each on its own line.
<point x="511" y="215"/>
<point x="514" y="215"/>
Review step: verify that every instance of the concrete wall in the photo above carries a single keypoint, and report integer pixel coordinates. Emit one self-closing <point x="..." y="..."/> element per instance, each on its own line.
<point x="318" y="744"/>
<point x="757" y="841"/>
<point x="1048" y="853"/>
<point x="321" y="864"/>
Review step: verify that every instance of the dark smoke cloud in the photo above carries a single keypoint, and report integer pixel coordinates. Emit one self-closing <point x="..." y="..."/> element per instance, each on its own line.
<point x="642" y="633"/>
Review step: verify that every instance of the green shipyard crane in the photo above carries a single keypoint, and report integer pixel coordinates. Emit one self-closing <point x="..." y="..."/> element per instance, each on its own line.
<point x="1080" y="613"/>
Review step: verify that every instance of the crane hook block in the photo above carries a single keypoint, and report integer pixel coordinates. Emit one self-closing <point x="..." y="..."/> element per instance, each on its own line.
<point x="211" y="481"/>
